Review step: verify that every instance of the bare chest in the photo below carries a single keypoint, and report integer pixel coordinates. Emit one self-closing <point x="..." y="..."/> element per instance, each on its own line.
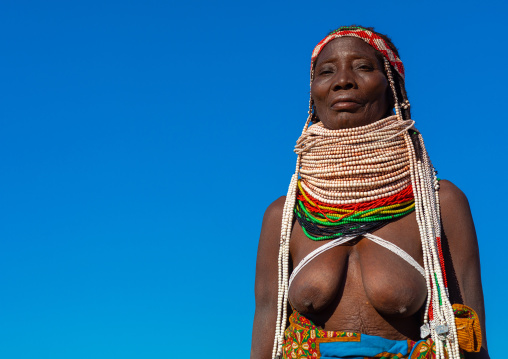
<point x="350" y="285"/>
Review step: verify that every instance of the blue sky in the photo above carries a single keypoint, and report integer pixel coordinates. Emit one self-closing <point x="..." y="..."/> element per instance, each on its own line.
<point x="142" y="141"/>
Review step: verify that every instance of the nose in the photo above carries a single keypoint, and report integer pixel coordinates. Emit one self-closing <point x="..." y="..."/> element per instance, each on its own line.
<point x="343" y="80"/>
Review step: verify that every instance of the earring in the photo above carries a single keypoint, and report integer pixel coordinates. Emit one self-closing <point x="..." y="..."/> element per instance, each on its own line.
<point x="314" y="117"/>
<point x="389" y="75"/>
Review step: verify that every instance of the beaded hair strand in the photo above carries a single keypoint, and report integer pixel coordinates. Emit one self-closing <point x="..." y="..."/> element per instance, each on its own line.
<point x="445" y="334"/>
<point x="439" y="320"/>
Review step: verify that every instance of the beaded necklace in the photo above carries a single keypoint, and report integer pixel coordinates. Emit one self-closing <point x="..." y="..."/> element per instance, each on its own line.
<point x="354" y="180"/>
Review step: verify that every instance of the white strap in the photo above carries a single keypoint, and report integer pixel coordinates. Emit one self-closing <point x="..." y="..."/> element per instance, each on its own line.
<point x="337" y="242"/>
<point x="398" y="251"/>
<point x="318" y="251"/>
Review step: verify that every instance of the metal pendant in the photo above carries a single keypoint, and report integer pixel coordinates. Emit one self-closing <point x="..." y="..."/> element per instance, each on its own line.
<point x="425" y="330"/>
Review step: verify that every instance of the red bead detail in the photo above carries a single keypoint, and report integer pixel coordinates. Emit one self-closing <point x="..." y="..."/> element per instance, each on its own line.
<point x="403" y="196"/>
<point x="441" y="260"/>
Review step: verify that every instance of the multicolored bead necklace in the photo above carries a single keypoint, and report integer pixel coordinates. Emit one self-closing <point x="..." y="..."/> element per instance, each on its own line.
<point x="353" y="184"/>
<point x="355" y="180"/>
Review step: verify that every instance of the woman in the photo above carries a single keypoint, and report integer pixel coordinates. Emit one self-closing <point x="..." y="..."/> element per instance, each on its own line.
<point x="369" y="248"/>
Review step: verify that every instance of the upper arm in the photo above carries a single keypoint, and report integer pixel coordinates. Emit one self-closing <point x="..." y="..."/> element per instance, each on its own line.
<point x="460" y="236"/>
<point x="266" y="285"/>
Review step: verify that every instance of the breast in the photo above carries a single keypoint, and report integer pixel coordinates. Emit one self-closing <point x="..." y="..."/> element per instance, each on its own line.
<point x="320" y="282"/>
<point x="364" y="274"/>
<point x="392" y="286"/>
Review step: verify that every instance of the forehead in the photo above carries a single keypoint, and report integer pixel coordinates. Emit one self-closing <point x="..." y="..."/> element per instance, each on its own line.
<point x="347" y="46"/>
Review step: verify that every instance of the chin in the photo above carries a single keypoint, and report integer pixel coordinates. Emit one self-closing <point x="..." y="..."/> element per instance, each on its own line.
<point x="347" y="122"/>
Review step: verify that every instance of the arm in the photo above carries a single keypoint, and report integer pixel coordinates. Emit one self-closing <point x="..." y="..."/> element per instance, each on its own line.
<point x="266" y="286"/>
<point x="460" y="234"/>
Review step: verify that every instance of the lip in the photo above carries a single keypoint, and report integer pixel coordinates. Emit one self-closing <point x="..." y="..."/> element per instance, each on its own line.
<point x="345" y="103"/>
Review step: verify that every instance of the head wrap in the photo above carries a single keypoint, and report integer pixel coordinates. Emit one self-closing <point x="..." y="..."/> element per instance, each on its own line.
<point x="369" y="37"/>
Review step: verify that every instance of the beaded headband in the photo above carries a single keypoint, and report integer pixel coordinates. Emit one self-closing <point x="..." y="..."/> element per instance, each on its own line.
<point x="369" y="37"/>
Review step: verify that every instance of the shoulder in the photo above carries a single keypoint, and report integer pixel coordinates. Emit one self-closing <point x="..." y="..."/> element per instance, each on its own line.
<point x="274" y="210"/>
<point x="456" y="217"/>
<point x="272" y="221"/>
<point x="455" y="209"/>
<point x="451" y="195"/>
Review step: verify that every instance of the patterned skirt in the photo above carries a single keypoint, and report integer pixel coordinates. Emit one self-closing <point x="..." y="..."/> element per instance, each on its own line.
<point x="303" y="340"/>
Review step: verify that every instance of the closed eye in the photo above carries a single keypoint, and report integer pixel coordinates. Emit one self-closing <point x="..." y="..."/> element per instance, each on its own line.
<point x="326" y="69"/>
<point x="365" y="67"/>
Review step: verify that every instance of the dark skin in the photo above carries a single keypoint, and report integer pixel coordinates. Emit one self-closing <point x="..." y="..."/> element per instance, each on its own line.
<point x="363" y="287"/>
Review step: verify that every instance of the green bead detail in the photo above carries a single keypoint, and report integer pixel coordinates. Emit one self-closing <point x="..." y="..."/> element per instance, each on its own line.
<point x="350" y="219"/>
<point x="322" y="220"/>
<point x="438" y="290"/>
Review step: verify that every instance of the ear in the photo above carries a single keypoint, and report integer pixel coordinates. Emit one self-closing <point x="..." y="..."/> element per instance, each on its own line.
<point x="390" y="100"/>
<point x="314" y="117"/>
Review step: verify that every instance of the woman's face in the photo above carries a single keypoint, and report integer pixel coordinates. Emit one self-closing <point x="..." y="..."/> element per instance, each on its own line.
<point x="350" y="88"/>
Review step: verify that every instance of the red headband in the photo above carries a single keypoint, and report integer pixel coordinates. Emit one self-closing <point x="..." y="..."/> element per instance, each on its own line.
<point x="370" y="38"/>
